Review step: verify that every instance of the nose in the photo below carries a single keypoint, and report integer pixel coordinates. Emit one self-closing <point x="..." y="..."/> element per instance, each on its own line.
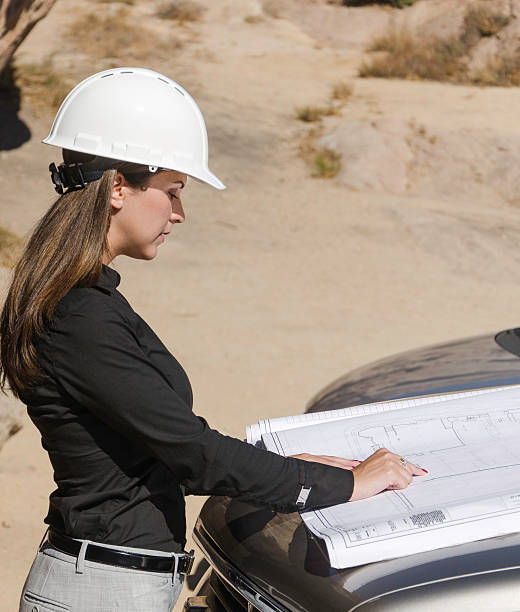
<point x="177" y="215"/>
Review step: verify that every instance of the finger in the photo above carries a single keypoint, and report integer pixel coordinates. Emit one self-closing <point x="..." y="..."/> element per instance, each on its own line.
<point x="346" y="464"/>
<point x="333" y="457"/>
<point x="352" y="463"/>
<point x="402" y="480"/>
<point x="415" y="470"/>
<point x="329" y="460"/>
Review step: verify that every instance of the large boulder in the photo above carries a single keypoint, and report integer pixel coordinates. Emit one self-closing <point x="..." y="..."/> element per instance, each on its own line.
<point x="375" y="155"/>
<point x="398" y="156"/>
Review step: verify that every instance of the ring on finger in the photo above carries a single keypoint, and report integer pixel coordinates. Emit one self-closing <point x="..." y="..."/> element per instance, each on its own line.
<point x="404" y="462"/>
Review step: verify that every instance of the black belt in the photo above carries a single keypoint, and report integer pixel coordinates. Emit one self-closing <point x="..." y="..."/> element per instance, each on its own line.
<point x="120" y="558"/>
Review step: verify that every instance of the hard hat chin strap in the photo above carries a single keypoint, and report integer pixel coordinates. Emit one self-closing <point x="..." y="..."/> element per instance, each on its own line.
<point x="72" y="176"/>
<point x="76" y="175"/>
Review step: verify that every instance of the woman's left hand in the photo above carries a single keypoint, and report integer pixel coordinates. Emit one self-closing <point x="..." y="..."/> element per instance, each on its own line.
<point x="346" y="464"/>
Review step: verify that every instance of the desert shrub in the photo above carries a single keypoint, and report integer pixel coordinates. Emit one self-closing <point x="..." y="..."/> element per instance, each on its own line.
<point x="482" y="21"/>
<point x="309" y="114"/>
<point x="116" y="36"/>
<point x="407" y="57"/>
<point x="326" y="163"/>
<point x="42" y="86"/>
<point x="499" y="72"/>
<point x="10" y="247"/>
<point x="395" y="3"/>
<point x="181" y="10"/>
<point x="342" y="91"/>
<point x="395" y="42"/>
<point x="322" y="162"/>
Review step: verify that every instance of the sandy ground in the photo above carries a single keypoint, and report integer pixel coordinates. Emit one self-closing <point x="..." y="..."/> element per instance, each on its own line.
<point x="283" y="282"/>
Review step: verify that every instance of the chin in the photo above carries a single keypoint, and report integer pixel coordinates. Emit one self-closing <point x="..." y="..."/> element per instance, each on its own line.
<point x="146" y="255"/>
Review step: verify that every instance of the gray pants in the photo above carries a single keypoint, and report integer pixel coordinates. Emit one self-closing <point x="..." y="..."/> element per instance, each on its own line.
<point x="58" y="581"/>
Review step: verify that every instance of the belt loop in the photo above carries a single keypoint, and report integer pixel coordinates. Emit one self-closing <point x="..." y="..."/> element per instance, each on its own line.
<point x="175" y="572"/>
<point x="80" y="561"/>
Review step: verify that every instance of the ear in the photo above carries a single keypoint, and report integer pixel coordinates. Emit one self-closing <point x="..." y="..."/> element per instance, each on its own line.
<point x="118" y="192"/>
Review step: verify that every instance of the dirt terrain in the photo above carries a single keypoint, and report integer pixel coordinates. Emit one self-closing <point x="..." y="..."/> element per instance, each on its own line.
<point x="283" y="282"/>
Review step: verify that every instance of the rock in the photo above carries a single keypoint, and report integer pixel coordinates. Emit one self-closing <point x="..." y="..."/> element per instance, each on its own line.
<point x="404" y="157"/>
<point x="374" y="156"/>
<point x="503" y="45"/>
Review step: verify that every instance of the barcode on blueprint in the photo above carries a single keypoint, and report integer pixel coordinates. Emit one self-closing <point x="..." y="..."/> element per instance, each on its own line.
<point x="425" y="519"/>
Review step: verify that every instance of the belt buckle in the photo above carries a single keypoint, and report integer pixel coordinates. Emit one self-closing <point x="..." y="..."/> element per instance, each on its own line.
<point x="186" y="563"/>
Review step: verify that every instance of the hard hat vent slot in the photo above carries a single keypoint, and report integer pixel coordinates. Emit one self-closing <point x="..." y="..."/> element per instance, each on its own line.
<point x="127" y="72"/>
<point x="107" y="75"/>
<point x="181" y="92"/>
<point x="163" y="80"/>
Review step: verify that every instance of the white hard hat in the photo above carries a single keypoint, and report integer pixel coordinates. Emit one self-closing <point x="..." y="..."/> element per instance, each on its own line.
<point x="135" y="115"/>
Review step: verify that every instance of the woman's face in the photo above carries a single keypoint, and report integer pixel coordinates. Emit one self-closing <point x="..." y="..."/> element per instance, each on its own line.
<point x="143" y="218"/>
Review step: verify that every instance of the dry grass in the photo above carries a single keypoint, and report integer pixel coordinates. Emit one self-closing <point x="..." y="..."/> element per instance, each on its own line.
<point x="309" y="114"/>
<point x="181" y="10"/>
<point x="395" y="3"/>
<point x="482" y="21"/>
<point x="129" y="2"/>
<point x="322" y="161"/>
<point x="419" y="131"/>
<point x="117" y="37"/>
<point x="326" y="163"/>
<point x="254" y="19"/>
<point x="342" y="91"/>
<point x="499" y="72"/>
<point x="405" y="56"/>
<point x="10" y="247"/>
<point x="42" y="86"/>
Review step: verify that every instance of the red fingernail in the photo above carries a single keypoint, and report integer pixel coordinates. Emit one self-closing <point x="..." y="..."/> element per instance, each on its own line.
<point x="425" y="470"/>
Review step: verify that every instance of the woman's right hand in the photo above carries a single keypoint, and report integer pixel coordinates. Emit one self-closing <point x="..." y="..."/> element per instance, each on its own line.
<point x="382" y="470"/>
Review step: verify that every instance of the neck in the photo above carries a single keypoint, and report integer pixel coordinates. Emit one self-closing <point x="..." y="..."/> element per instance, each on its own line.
<point x="107" y="258"/>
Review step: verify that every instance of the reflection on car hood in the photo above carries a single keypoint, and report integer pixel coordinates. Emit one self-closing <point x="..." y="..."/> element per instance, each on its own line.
<point x="284" y="560"/>
<point x="466" y="364"/>
<point x="289" y="565"/>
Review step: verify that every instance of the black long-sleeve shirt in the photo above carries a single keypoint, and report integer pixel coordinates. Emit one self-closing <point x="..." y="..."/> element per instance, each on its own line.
<point x="115" y="414"/>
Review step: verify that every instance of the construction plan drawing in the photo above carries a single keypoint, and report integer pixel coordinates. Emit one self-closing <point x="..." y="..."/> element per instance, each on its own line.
<point x="468" y="443"/>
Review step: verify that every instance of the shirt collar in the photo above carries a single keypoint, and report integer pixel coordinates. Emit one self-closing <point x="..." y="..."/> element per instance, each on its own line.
<point x="108" y="280"/>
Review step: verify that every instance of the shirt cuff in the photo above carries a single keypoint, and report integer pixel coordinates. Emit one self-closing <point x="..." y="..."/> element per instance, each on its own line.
<point x="322" y="485"/>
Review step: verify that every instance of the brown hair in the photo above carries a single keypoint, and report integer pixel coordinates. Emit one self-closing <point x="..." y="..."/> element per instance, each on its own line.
<point x="65" y="250"/>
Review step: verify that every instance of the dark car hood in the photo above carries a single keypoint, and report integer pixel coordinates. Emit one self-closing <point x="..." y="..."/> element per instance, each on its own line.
<point x="282" y="558"/>
<point x="465" y="364"/>
<point x="290" y="566"/>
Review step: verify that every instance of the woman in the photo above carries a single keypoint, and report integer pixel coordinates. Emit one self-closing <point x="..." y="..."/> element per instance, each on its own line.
<point x="113" y="406"/>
